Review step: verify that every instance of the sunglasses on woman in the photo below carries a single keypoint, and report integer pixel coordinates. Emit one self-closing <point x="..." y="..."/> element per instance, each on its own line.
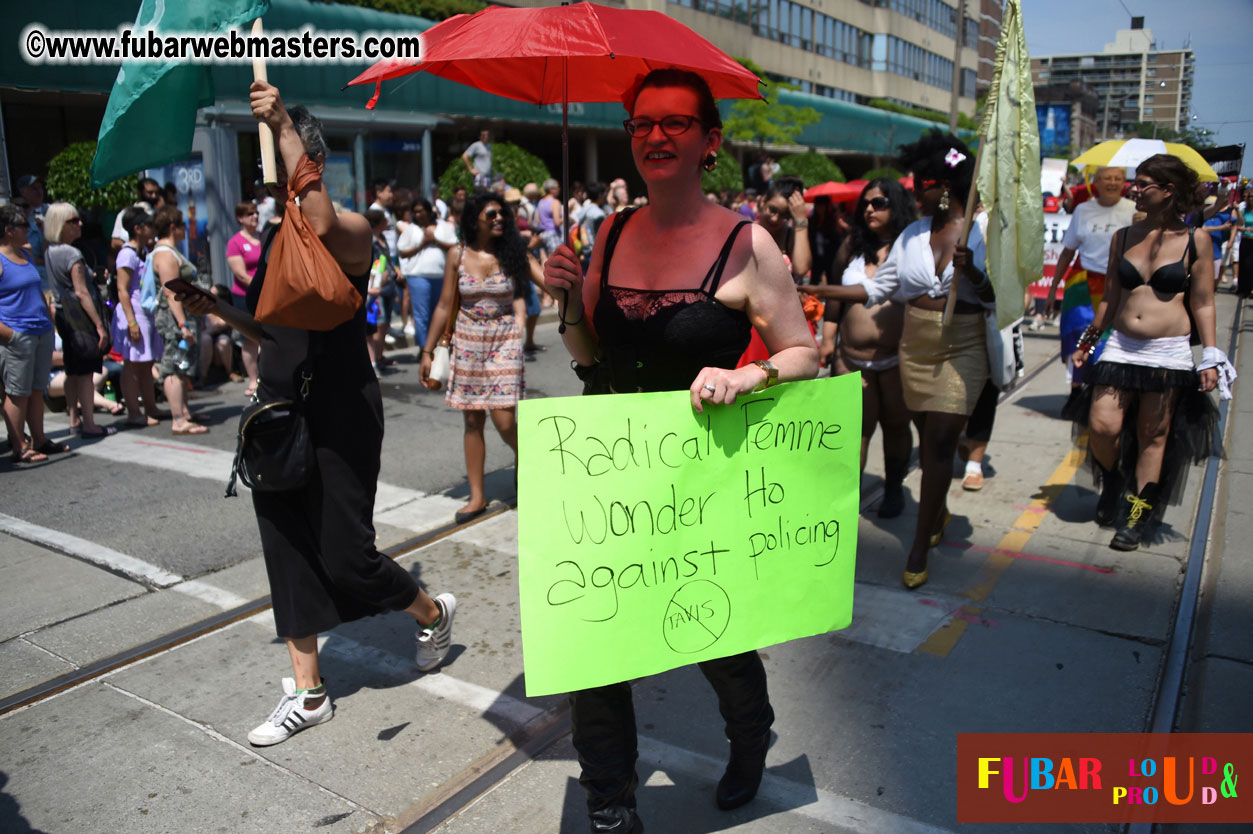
<point x="670" y="125"/>
<point x="878" y="203"/>
<point x="491" y="214"/>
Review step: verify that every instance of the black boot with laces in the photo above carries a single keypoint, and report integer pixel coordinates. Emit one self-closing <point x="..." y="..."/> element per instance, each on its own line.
<point x="1138" y="516"/>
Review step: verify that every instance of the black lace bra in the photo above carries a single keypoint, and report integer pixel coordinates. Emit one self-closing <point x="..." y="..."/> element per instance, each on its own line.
<point x="658" y="340"/>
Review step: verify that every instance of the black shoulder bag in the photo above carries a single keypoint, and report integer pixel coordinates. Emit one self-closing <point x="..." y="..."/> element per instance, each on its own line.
<point x="274" y="448"/>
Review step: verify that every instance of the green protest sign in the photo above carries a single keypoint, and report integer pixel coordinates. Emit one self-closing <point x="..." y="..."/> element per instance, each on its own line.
<point x="651" y="536"/>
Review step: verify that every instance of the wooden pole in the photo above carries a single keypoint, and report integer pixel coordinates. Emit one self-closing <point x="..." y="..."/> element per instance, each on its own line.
<point x="268" y="169"/>
<point x="951" y="303"/>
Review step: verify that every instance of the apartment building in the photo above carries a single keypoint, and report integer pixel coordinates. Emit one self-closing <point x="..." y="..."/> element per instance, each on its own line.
<point x="852" y="50"/>
<point x="1134" y="81"/>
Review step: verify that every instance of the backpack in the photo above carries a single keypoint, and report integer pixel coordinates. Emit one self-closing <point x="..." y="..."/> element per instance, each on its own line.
<point x="149" y="294"/>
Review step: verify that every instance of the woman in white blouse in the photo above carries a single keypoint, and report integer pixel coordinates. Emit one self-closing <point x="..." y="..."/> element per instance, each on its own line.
<point x="943" y="367"/>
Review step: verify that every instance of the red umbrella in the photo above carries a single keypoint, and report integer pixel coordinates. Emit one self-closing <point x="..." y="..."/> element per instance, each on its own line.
<point x="839" y="192"/>
<point x="581" y="52"/>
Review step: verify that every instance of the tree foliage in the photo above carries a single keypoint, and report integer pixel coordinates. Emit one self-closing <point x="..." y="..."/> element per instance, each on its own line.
<point x="761" y="121"/>
<point x="516" y="165"/>
<point x="812" y="167"/>
<point x="964" y="122"/>
<point x="727" y="175"/>
<point x="69" y="180"/>
<point x="430" y="9"/>
<point x="887" y="172"/>
<point x="1194" y="137"/>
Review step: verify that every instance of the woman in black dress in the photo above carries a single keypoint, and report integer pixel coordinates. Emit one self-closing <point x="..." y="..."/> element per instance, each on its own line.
<point x="319" y="540"/>
<point x="689" y="284"/>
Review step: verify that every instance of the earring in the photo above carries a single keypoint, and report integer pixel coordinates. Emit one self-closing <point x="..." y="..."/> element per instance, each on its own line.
<point x="710" y="162"/>
<point x="944" y="202"/>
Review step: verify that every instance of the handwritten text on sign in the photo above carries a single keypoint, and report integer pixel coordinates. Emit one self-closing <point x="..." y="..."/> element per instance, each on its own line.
<point x="651" y="536"/>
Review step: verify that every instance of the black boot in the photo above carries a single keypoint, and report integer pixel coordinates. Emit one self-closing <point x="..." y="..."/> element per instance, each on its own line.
<point x="1111" y="497"/>
<point x="742" y="778"/>
<point x="893" y="503"/>
<point x="616" y="819"/>
<point x="1129" y="535"/>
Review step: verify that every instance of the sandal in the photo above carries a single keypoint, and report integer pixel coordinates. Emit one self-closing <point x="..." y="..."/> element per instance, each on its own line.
<point x="142" y="422"/>
<point x="191" y="428"/>
<point x="51" y="447"/>
<point x="30" y="456"/>
<point x="101" y="431"/>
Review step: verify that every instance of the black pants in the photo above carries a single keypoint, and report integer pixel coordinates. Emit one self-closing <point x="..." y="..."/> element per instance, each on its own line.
<point x="603" y="721"/>
<point x="983" y="418"/>
<point x="1245" y="285"/>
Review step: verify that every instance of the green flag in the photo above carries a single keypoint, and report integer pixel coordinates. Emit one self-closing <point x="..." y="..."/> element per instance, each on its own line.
<point x="152" y="109"/>
<point x="1009" y="172"/>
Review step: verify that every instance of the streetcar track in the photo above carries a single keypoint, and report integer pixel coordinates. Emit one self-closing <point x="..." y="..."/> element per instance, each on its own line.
<point x="1168" y="695"/>
<point x="193" y="631"/>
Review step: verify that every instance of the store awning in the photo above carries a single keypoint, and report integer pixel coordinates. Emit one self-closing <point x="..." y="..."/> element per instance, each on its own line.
<point x="844" y="127"/>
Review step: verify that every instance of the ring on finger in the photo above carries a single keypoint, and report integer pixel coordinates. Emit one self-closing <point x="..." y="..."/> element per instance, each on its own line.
<point x="710" y="388"/>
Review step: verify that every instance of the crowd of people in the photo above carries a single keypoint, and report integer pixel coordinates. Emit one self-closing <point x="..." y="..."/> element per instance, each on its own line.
<point x="718" y="295"/>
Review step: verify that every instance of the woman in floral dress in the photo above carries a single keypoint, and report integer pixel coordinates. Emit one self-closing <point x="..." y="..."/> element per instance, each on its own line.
<point x="484" y="281"/>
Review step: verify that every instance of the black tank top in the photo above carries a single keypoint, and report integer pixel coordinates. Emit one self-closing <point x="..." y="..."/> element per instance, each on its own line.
<point x="658" y="340"/>
<point x="341" y="359"/>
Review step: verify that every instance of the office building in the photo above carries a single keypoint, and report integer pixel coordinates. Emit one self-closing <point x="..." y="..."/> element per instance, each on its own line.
<point x="1134" y="81"/>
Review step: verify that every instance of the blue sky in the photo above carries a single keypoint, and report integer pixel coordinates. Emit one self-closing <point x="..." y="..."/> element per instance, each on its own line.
<point x="1222" y="40"/>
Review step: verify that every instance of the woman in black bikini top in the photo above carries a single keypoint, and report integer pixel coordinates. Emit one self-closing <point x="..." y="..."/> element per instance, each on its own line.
<point x="1170" y="279"/>
<point x="1148" y="416"/>
<point x="658" y="326"/>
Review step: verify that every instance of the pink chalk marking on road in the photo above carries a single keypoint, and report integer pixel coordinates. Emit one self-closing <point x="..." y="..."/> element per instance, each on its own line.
<point x="1014" y="554"/>
<point x="1036" y="510"/>
<point x="176" y="448"/>
<point x="959" y="613"/>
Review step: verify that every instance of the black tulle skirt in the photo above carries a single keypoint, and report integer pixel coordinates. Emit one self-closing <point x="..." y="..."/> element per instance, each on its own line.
<point x="1193" y="434"/>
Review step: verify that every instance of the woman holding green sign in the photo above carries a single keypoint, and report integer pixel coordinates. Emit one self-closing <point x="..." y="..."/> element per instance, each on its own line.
<point x="688" y="287"/>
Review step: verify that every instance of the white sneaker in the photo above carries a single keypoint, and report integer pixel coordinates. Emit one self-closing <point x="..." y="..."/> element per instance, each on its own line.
<point x="290" y="716"/>
<point x="389" y="339"/>
<point x="409" y="329"/>
<point x="433" y="643"/>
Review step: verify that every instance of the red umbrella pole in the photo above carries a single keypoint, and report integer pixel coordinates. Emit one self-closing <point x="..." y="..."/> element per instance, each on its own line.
<point x="565" y="171"/>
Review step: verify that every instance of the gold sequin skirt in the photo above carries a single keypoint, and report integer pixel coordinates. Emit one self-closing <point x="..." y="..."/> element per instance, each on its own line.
<point x="943" y="369"/>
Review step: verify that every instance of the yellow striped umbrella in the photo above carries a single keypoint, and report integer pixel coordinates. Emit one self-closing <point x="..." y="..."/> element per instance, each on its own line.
<point x="1129" y="153"/>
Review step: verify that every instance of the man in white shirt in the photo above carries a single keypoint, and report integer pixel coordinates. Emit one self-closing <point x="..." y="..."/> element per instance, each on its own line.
<point x="1091" y="229"/>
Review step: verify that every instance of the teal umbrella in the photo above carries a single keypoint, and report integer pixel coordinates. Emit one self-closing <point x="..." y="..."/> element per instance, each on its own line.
<point x="151" y="113"/>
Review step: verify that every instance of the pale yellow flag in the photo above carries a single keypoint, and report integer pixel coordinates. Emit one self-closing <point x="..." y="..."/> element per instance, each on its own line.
<point x="1009" y="172"/>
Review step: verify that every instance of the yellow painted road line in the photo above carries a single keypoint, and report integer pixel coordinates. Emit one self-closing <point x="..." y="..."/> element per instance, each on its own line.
<point x="942" y="641"/>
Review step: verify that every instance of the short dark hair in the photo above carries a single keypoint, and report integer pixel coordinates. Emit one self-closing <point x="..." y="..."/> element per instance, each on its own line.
<point x="1171" y="170"/>
<point x="784" y="186"/>
<point x="706" y="107"/>
<point x="134" y="217"/>
<point x="379" y="184"/>
<point x="375" y="218"/>
<point x="244" y="208"/>
<point x="596" y="191"/>
<point x="166" y="218"/>
<point x="422" y="202"/>
<point x="11" y="216"/>
<point x="309" y="128"/>
<point x="144" y="182"/>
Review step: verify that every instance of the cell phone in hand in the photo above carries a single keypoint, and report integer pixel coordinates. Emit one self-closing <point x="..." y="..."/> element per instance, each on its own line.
<point x="184" y="287"/>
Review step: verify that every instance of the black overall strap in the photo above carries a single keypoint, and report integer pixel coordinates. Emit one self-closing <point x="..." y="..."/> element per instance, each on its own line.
<point x="714" y="276"/>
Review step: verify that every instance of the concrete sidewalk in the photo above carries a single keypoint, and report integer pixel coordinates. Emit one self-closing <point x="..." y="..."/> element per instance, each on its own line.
<point x="1030" y="623"/>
